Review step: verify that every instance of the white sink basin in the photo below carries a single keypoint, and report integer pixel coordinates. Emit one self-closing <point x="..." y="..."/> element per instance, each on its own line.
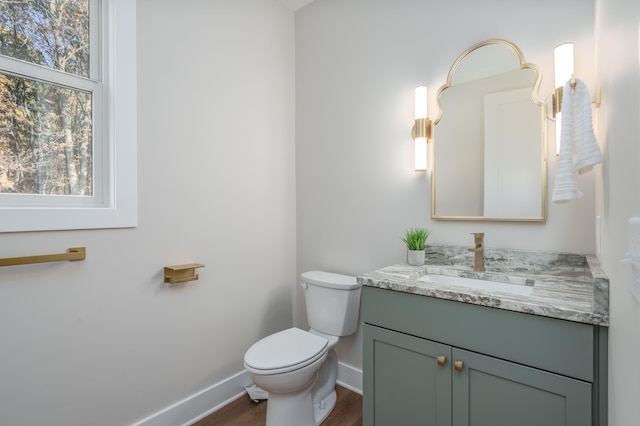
<point x="477" y="284"/>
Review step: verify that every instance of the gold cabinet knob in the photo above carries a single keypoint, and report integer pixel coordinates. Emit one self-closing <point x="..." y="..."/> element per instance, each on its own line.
<point x="442" y="360"/>
<point x="457" y="365"/>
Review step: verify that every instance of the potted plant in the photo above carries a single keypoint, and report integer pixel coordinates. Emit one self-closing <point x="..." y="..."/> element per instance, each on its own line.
<point x="415" y="239"/>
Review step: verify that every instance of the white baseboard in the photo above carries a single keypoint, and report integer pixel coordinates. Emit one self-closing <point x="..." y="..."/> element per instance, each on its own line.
<point x="205" y="402"/>
<point x="200" y="404"/>
<point x="350" y="377"/>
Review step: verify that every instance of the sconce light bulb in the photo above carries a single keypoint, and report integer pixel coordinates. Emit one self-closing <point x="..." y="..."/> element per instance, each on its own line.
<point x="421" y="102"/>
<point x="563" y="61"/>
<point x="420" y="154"/>
<point x="563" y="64"/>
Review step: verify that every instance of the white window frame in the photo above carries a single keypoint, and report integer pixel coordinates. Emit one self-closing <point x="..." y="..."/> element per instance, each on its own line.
<point x="114" y="203"/>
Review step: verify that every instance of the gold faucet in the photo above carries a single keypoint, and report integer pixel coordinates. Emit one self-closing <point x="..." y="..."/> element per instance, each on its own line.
<point x="478" y="251"/>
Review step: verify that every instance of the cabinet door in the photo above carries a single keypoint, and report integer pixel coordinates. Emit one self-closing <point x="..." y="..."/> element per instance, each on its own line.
<point x="403" y="382"/>
<point x="492" y="392"/>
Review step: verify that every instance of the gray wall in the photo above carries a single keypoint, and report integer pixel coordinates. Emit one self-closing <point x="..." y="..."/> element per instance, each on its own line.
<point x="618" y="193"/>
<point x="357" y="63"/>
<point x="104" y="341"/>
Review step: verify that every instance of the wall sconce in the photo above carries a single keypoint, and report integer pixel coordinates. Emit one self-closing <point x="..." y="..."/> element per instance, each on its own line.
<point x="421" y="132"/>
<point x="563" y="67"/>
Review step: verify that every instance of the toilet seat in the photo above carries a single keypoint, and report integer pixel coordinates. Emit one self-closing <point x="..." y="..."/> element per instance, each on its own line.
<point x="284" y="351"/>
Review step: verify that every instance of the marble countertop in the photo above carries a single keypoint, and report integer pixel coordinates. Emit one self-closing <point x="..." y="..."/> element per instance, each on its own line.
<point x="566" y="286"/>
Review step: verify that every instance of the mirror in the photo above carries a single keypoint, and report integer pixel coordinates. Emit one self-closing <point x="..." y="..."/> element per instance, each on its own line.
<point x="490" y="138"/>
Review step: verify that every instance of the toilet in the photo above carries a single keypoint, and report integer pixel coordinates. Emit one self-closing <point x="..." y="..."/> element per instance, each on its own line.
<point x="299" y="368"/>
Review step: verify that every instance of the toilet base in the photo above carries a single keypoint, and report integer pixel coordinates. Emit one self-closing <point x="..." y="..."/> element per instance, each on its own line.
<point x="290" y="409"/>
<point x="302" y="397"/>
<point x="322" y="409"/>
<point x="295" y="409"/>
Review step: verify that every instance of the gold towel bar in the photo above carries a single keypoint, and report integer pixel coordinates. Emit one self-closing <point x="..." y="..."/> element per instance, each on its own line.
<point x="75" y="253"/>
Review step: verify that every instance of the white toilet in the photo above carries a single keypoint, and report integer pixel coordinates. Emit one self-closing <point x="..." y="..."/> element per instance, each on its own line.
<point x="298" y="368"/>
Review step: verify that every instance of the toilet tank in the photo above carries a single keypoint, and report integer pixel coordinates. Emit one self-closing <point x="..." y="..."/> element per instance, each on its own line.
<point x="332" y="301"/>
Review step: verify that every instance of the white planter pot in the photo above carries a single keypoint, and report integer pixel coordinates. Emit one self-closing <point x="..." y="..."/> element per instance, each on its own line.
<point x="415" y="257"/>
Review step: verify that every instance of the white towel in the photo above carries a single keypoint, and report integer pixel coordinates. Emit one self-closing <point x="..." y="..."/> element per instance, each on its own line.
<point x="586" y="152"/>
<point x="579" y="148"/>
<point x="566" y="188"/>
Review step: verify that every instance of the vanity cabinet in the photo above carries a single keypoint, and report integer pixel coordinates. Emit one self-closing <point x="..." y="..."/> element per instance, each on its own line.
<point x="405" y="385"/>
<point x="429" y="361"/>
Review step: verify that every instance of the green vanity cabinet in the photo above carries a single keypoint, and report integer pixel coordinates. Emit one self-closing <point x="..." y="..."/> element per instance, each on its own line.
<point x="490" y="391"/>
<point x="429" y="361"/>
<point x="408" y="385"/>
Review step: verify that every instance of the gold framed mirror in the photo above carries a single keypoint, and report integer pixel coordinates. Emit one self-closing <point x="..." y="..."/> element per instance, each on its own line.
<point x="490" y="138"/>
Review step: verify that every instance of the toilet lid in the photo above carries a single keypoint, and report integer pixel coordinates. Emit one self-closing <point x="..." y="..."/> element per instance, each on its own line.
<point x="286" y="348"/>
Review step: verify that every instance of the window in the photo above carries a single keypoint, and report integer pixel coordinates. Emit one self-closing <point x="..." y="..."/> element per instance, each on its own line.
<point x="67" y="130"/>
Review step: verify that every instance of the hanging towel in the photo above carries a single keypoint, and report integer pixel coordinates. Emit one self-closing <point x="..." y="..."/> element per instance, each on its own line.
<point x="586" y="152"/>
<point x="566" y="188"/>
<point x="579" y="149"/>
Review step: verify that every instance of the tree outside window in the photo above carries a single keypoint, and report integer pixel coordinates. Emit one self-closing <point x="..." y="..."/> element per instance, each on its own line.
<point x="46" y="127"/>
<point x="68" y="156"/>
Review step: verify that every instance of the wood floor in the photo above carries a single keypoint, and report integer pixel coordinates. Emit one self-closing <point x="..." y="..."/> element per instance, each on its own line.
<point x="244" y="412"/>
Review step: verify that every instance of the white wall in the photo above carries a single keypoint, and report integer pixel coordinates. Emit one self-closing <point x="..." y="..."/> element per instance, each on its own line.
<point x="104" y="341"/>
<point x="618" y="195"/>
<point x="357" y="63"/>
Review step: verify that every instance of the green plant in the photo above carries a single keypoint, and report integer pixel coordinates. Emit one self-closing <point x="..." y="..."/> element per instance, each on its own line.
<point x="416" y="238"/>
